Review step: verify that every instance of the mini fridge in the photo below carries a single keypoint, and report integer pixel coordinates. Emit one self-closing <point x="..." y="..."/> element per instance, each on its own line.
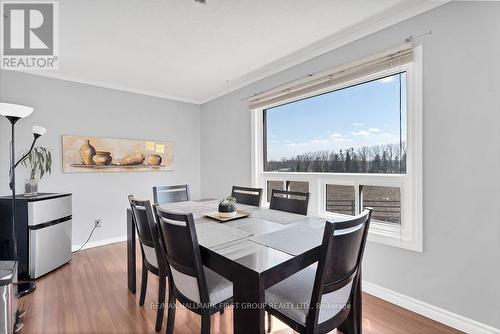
<point x="49" y="224"/>
<point x="43" y="227"/>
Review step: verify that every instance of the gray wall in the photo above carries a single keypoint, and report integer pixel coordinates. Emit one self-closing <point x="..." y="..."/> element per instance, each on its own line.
<point x="458" y="269"/>
<point x="67" y="108"/>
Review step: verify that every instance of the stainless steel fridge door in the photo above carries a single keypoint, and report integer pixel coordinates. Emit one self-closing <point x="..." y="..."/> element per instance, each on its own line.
<point x="40" y="212"/>
<point x="50" y="247"/>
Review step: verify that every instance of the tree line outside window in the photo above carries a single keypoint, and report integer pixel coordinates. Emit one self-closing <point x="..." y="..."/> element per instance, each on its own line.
<point x="378" y="159"/>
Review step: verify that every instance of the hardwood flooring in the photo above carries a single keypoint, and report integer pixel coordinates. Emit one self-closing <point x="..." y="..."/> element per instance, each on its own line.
<point x="90" y="295"/>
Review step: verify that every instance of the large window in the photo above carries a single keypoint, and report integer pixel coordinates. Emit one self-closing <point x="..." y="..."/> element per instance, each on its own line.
<point x="351" y="145"/>
<point x="357" y="129"/>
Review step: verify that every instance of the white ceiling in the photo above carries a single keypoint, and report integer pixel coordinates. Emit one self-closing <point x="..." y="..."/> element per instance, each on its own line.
<point x="188" y="51"/>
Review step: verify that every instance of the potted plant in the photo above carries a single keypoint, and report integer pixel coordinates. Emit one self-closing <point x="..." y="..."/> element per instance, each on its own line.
<point x="227" y="207"/>
<point x="38" y="163"/>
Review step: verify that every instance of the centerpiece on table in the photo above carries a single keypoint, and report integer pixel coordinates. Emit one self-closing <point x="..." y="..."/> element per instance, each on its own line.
<point x="227" y="207"/>
<point x="227" y="211"/>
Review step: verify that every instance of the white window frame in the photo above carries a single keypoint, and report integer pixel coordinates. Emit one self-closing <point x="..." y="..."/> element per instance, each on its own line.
<point x="409" y="235"/>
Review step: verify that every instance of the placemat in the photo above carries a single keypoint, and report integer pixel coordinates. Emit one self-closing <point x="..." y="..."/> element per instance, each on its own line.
<point x="277" y="216"/>
<point x="211" y="234"/>
<point x="293" y="240"/>
<point x="196" y="208"/>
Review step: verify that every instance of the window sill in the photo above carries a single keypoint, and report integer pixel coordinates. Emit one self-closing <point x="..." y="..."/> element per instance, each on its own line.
<point x="391" y="235"/>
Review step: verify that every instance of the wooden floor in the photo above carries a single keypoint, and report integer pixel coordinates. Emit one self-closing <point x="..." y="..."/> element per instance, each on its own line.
<point x="89" y="295"/>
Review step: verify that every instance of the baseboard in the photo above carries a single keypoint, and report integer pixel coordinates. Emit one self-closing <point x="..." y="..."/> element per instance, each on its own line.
<point x="430" y="311"/>
<point x="98" y="243"/>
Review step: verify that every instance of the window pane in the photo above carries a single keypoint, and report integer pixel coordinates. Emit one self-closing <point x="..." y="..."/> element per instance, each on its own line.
<point x="358" y="129"/>
<point x="297" y="186"/>
<point x="273" y="185"/>
<point x="340" y="199"/>
<point x="385" y="202"/>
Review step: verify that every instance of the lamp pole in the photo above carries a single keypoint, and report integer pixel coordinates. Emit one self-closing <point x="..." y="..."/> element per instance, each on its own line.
<point x="12" y="182"/>
<point x="23" y="288"/>
<point x="14" y="112"/>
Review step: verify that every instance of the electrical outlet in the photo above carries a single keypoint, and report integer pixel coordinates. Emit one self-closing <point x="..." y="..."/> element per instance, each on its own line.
<point x="98" y="222"/>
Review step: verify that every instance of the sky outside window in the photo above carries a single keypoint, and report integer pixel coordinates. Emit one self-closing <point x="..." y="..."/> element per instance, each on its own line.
<point x="366" y="115"/>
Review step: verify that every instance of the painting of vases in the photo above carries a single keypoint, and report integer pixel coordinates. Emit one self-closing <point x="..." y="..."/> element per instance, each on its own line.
<point x="97" y="154"/>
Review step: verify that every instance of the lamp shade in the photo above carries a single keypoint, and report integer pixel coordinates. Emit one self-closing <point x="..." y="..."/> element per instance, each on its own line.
<point x="38" y="130"/>
<point x="15" y="110"/>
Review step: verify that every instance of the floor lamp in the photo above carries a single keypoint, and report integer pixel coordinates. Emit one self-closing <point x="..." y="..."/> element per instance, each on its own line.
<point x="14" y="112"/>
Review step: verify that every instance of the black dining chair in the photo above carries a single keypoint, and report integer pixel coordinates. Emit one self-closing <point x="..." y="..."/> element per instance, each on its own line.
<point x="321" y="298"/>
<point x="171" y="194"/>
<point x="246" y="195"/>
<point x="289" y="201"/>
<point x="198" y="288"/>
<point x="153" y="259"/>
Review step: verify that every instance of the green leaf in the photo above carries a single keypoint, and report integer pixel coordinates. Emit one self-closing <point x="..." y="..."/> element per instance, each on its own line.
<point x="38" y="162"/>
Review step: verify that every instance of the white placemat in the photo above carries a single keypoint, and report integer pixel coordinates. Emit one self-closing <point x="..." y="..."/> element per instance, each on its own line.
<point x="277" y="216"/>
<point x="293" y="240"/>
<point x="196" y="208"/>
<point x="256" y="226"/>
<point x="212" y="234"/>
<point x="314" y="222"/>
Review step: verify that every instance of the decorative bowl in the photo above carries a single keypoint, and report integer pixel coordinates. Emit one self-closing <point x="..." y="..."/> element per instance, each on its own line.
<point x="154" y="160"/>
<point x="102" y="158"/>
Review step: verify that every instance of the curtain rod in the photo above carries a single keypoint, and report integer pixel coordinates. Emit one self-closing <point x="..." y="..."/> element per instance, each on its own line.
<point x="409" y="39"/>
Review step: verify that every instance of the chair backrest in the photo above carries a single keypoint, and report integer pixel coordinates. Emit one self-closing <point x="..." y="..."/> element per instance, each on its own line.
<point x="171" y="194"/>
<point x="147" y="231"/>
<point x="245" y="195"/>
<point x="180" y="243"/>
<point x="289" y="201"/>
<point x="340" y="260"/>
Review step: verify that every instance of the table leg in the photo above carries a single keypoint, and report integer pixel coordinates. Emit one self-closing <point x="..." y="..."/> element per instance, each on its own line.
<point x="130" y="252"/>
<point x="248" y="298"/>
<point x="353" y="323"/>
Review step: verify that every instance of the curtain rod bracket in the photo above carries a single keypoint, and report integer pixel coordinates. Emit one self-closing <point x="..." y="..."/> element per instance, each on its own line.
<point x="411" y="38"/>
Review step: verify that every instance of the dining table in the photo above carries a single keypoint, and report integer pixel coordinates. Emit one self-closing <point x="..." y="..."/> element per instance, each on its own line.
<point x="254" y="253"/>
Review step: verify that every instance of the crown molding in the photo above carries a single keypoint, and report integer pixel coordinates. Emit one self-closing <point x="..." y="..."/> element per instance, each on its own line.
<point x="335" y="41"/>
<point x="103" y="84"/>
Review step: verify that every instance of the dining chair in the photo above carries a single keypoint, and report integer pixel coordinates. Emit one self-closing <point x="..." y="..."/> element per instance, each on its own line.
<point x="321" y="298"/>
<point x="153" y="260"/>
<point x="197" y="287"/>
<point x="246" y="195"/>
<point x="171" y="194"/>
<point x="289" y="201"/>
